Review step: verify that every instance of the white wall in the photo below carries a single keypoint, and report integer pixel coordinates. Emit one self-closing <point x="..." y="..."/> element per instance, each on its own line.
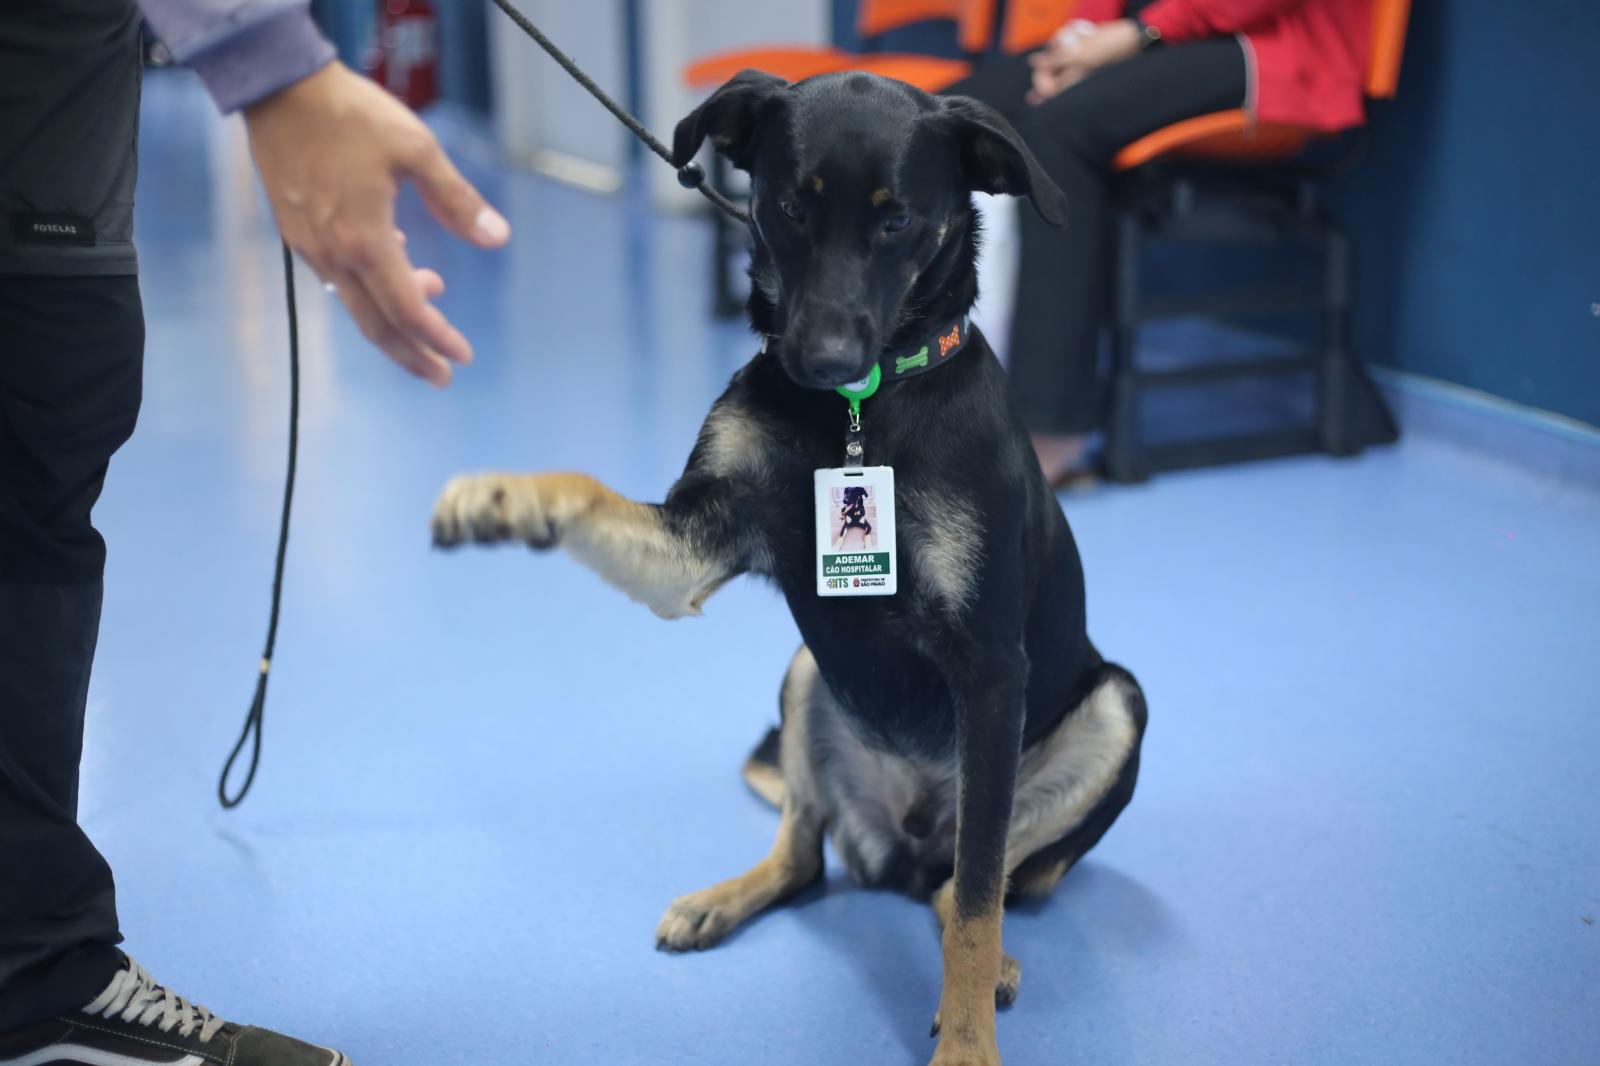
<point x="997" y="269"/>
<point x="677" y="31"/>
<point x="538" y="108"/>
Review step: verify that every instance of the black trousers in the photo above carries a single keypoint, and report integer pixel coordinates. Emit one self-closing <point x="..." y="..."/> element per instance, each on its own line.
<point x="71" y="363"/>
<point x="1063" y="279"/>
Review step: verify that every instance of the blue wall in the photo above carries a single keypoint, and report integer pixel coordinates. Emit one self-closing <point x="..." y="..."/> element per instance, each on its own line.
<point x="1476" y="217"/>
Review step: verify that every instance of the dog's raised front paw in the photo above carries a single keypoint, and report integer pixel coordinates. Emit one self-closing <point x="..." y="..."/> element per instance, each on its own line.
<point x="695" y="922"/>
<point x="491" y="509"/>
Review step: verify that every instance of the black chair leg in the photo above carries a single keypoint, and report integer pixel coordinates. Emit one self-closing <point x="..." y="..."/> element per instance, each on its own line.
<point x="1123" y="460"/>
<point x="725" y="302"/>
<point x="1333" y="380"/>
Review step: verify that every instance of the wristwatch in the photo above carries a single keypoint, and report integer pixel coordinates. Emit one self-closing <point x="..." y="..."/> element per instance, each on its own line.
<point x="1148" y="35"/>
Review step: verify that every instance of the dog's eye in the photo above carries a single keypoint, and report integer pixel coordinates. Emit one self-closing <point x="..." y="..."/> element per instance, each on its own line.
<point x="791" y="210"/>
<point x="896" y="223"/>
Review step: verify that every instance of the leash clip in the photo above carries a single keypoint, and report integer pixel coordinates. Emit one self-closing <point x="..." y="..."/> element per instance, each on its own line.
<point x="855" y="446"/>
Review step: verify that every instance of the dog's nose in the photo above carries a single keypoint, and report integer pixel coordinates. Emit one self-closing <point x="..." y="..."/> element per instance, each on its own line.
<point x="833" y="361"/>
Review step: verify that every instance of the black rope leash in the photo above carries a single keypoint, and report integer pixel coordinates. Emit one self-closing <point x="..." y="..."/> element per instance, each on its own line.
<point x="690" y="176"/>
<point x="252" y="721"/>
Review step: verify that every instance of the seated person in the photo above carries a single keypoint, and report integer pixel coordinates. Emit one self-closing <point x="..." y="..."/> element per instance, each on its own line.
<point x="1117" y="72"/>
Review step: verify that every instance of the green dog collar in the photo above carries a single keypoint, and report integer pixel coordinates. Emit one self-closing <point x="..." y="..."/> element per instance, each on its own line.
<point x="906" y="362"/>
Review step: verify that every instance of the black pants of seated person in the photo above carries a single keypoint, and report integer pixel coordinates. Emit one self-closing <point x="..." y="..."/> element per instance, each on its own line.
<point x="1063" y="278"/>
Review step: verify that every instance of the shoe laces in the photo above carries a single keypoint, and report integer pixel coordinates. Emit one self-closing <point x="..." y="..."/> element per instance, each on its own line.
<point x="134" y="996"/>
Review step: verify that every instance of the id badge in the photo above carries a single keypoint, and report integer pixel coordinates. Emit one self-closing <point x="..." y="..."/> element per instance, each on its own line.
<point x="855" y="531"/>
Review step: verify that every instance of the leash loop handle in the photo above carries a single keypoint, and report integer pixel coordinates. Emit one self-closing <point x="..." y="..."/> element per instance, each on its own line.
<point x="252" y="722"/>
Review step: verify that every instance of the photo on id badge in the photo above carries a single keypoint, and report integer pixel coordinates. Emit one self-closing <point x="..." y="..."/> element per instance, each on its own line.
<point x="855" y="507"/>
<point x="855" y="532"/>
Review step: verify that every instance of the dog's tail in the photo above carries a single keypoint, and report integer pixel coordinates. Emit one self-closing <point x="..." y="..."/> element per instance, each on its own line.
<point x="761" y="771"/>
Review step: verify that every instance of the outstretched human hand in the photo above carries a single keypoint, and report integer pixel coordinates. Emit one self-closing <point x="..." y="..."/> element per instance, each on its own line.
<point x="332" y="150"/>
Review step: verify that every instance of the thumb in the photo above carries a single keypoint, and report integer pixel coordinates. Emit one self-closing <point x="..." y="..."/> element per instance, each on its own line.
<point x="454" y="202"/>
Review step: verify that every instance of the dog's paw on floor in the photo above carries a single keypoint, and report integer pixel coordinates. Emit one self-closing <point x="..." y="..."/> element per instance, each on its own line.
<point x="1005" y="990"/>
<point x="695" y="922"/>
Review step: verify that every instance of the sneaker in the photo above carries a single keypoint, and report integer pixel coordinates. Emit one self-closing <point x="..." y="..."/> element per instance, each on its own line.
<point x="136" y="1022"/>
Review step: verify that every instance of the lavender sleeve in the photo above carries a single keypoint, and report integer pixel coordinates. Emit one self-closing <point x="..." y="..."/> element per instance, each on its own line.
<point x="242" y="49"/>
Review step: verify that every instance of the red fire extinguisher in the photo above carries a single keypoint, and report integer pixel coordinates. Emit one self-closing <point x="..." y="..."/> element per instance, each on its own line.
<point x="407" y="60"/>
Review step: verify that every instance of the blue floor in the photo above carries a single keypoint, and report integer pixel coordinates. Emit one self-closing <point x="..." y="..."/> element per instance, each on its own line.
<point x="1367" y="829"/>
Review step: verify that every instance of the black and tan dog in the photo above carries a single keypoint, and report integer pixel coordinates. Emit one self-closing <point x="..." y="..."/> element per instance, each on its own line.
<point x="962" y="737"/>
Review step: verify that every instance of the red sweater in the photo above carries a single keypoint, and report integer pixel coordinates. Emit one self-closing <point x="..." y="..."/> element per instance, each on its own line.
<point x="1305" y="58"/>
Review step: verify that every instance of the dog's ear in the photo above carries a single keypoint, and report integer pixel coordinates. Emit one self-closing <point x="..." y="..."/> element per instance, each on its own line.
<point x="994" y="158"/>
<point x="728" y="117"/>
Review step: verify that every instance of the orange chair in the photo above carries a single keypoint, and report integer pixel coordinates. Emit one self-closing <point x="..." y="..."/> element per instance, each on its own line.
<point x="1217" y="178"/>
<point x="874" y="18"/>
<point x="1230" y="134"/>
<point x="1027" y="24"/>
